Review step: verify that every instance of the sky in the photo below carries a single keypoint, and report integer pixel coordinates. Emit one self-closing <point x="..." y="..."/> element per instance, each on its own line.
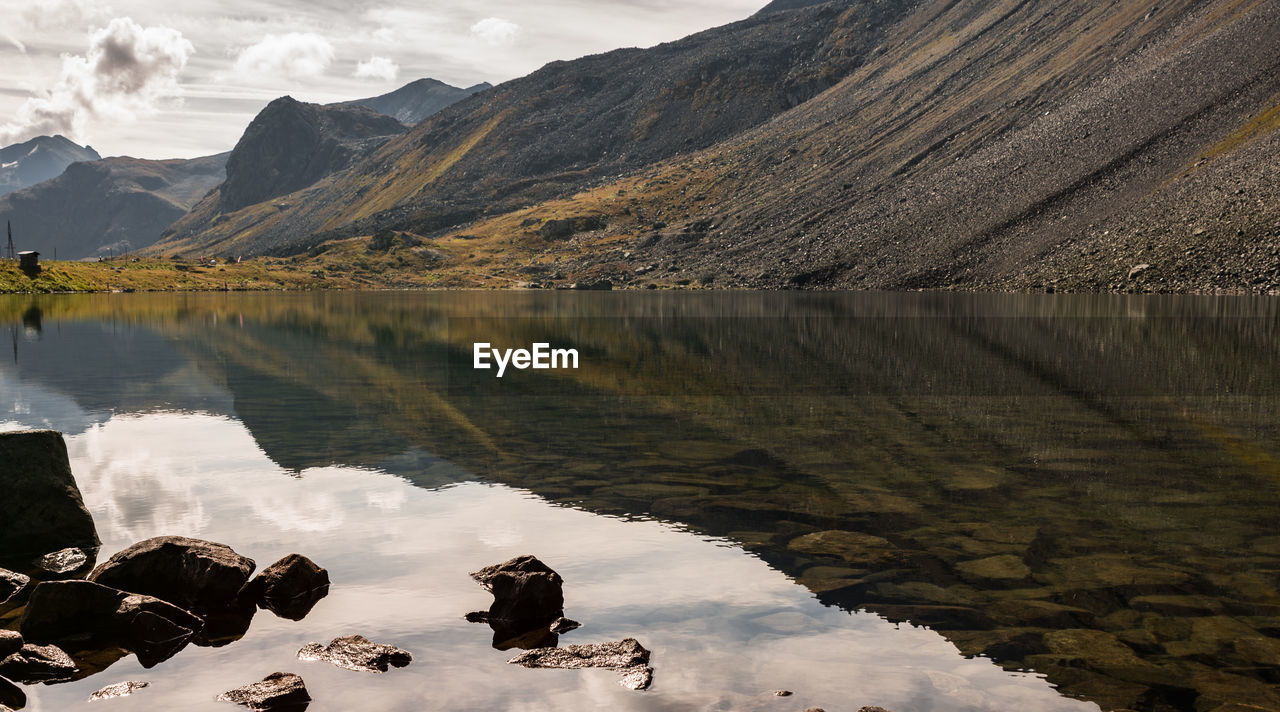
<point x="182" y="78"/>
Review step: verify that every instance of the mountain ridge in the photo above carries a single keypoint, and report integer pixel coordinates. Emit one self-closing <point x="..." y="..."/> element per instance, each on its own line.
<point x="36" y="160"/>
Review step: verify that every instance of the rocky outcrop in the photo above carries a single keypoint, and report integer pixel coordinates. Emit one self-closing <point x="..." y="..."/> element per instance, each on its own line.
<point x="290" y="144"/>
<point x="278" y="692"/>
<point x="38" y="663"/>
<point x="81" y="615"/>
<point x="201" y="576"/>
<point x="626" y="656"/>
<point x="289" y="588"/>
<point x="528" y="597"/>
<point x="41" y="510"/>
<point x="356" y="652"/>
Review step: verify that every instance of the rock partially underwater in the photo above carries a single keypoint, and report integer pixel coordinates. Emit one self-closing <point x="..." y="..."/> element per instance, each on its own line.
<point x="528" y="601"/>
<point x="626" y="656"/>
<point x="277" y="692"/>
<point x="289" y="588"/>
<point x="356" y="652"/>
<point x="41" y="509"/>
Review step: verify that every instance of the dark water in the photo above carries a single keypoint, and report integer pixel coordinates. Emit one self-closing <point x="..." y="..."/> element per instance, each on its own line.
<point x="924" y="502"/>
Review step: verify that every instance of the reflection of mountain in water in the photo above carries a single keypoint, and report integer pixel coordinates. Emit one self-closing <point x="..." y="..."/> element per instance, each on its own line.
<point x="1082" y="487"/>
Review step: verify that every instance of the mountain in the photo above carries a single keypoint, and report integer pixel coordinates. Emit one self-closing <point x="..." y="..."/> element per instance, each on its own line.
<point x="571" y="124"/>
<point x="108" y="206"/>
<point x="288" y="146"/>
<point x="870" y="144"/>
<point x="417" y="100"/>
<point x="35" y="161"/>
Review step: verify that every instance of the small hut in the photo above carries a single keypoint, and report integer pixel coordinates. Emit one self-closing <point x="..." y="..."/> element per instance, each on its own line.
<point x="29" y="260"/>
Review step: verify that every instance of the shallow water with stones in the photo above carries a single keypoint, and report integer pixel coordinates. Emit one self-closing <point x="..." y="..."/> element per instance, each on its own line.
<point x="918" y="501"/>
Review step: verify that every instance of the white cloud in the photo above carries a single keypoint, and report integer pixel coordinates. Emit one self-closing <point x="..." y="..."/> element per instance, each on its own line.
<point x="377" y="68"/>
<point x="296" y="55"/>
<point x="495" y="30"/>
<point x="57" y="14"/>
<point x="127" y="72"/>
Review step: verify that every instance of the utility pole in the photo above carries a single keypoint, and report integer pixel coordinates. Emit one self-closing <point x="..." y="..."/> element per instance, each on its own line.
<point x="9" y="253"/>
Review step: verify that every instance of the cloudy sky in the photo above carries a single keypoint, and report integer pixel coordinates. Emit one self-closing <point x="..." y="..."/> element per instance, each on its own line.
<point x="182" y="78"/>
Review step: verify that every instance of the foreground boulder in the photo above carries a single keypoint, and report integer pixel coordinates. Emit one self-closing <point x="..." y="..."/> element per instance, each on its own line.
<point x="197" y="575"/>
<point x="279" y="691"/>
<point x="11" y="696"/>
<point x="11" y="584"/>
<point x="356" y="652"/>
<point x="10" y="642"/>
<point x="41" y="509"/>
<point x="81" y="615"/>
<point x="38" y="663"/>
<point x="626" y="656"/>
<point x="289" y="588"/>
<point x="528" y="598"/>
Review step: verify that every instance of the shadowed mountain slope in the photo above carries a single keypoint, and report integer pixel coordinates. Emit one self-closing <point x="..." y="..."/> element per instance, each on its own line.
<point x="571" y="124"/>
<point x="108" y="206"/>
<point x="30" y="162"/>
<point x="1017" y="144"/>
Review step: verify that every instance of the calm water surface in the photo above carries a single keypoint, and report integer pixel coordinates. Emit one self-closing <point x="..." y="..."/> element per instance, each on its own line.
<point x="924" y="502"/>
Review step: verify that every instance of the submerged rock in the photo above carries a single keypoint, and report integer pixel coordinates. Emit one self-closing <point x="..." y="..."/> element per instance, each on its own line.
<point x="564" y="625"/>
<point x="626" y="656"/>
<point x="42" y="509"/>
<point x="11" y="584"/>
<point x="63" y="562"/>
<point x="10" y="642"/>
<point x="197" y="575"/>
<point x="356" y="652"/>
<point x="120" y="689"/>
<point x="38" y="663"/>
<point x="289" y="588"/>
<point x="528" y="597"/>
<point x="282" y="691"/>
<point x="81" y="615"/>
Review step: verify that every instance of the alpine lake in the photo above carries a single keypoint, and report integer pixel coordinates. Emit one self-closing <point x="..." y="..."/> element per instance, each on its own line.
<point x="928" y="502"/>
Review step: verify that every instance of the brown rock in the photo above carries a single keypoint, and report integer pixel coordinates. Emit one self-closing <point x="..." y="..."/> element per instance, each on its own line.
<point x="120" y="689"/>
<point x="527" y="596"/>
<point x="42" y="509"/>
<point x="289" y="588"/>
<point x="626" y="656"/>
<point x="10" y="642"/>
<point x="356" y="652"/>
<point x="197" y="575"/>
<point x="38" y="663"/>
<point x="82" y="615"/>
<point x="11" y="584"/>
<point x="279" y="692"/>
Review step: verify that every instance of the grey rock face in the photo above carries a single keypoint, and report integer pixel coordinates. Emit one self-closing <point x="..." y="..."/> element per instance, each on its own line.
<point x="41" y="509"/>
<point x="356" y="652"/>
<point x="198" y="575"/>
<point x="279" y="691"/>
